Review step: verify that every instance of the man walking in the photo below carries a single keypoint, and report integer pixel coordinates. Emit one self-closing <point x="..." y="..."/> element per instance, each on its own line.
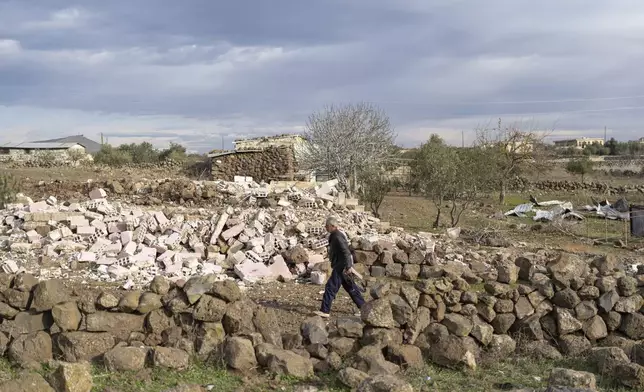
<point x="341" y="262"/>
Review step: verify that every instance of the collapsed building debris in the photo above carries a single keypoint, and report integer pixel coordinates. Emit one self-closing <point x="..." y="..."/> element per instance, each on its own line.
<point x="565" y="210"/>
<point x="254" y="242"/>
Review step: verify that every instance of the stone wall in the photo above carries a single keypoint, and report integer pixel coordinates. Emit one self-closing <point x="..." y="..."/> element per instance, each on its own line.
<point x="522" y="184"/>
<point x="456" y="316"/>
<point x="273" y="163"/>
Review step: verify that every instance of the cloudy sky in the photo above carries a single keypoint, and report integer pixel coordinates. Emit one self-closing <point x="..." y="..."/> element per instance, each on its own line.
<point x="197" y="71"/>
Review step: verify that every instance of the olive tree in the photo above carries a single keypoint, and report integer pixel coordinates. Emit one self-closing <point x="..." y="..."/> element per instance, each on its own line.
<point x="452" y="178"/>
<point x="345" y="140"/>
<point x="514" y="150"/>
<point x="434" y="167"/>
<point x="580" y="166"/>
<point x="374" y="186"/>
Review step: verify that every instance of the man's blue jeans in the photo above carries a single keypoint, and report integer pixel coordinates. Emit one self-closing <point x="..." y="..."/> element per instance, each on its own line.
<point x="336" y="280"/>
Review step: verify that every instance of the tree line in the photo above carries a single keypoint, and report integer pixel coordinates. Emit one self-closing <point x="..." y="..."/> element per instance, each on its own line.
<point x="141" y="153"/>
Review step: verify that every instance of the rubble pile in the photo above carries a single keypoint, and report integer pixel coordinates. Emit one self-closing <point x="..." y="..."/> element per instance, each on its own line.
<point x="260" y="240"/>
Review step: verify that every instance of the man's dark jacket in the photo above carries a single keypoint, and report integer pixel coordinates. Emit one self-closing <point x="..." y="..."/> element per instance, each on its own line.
<point x="340" y="253"/>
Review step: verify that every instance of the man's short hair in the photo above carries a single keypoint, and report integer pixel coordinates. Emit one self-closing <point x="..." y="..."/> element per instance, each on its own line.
<point x="332" y="221"/>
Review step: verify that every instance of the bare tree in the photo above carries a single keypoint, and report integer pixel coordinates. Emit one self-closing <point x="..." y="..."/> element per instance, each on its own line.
<point x="344" y="140"/>
<point x="514" y="150"/>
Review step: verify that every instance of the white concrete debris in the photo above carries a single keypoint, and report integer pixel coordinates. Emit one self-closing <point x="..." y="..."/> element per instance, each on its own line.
<point x="126" y="243"/>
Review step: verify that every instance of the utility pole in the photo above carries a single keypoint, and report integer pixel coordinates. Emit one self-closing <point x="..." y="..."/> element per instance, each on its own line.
<point x="222" y="142"/>
<point x="604" y="134"/>
<point x="462" y="138"/>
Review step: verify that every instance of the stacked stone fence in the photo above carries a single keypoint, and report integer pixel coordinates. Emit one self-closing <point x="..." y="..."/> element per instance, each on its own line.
<point x="522" y="184"/>
<point x="272" y="163"/>
<point x="453" y="315"/>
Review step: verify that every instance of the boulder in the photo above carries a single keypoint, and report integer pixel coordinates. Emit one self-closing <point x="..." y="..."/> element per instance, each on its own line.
<point x="314" y="331"/>
<point x="83" y="346"/>
<point x="72" y="377"/>
<point x="170" y="358"/>
<point x="349" y="327"/>
<point x="606" y="358"/>
<point x="239" y="354"/>
<point x="209" y="309"/>
<point x="210" y="336"/>
<point x="402" y="312"/>
<point x="629" y="374"/>
<point x="160" y="285"/>
<point x="351" y="377"/>
<point x="384" y="383"/>
<point x="115" y="323"/>
<point x="560" y="377"/>
<point x="129" y="301"/>
<point x="31" y="350"/>
<point x="238" y="319"/>
<point x="27" y="322"/>
<point x="149" y="302"/>
<point x="457" y="324"/>
<point x="27" y="382"/>
<point x="574" y="345"/>
<point x="633" y="326"/>
<point x="568" y="267"/>
<point x="265" y="321"/>
<point x="378" y="313"/>
<point x="405" y="355"/>
<point x="47" y="294"/>
<point x="283" y="362"/>
<point x="125" y="359"/>
<point x="67" y="316"/>
<point x="452" y="352"/>
<point x="566" y="322"/>
<point x="227" y="290"/>
<point x="371" y="360"/>
<point x="343" y="346"/>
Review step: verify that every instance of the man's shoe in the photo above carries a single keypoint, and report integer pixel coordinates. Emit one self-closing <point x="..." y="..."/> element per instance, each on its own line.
<point x="321" y="314"/>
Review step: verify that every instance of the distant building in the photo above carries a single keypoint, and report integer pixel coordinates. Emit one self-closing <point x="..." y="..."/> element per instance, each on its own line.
<point x="580" y="143"/>
<point x="18" y="150"/>
<point x="263" y="158"/>
<point x="91" y="147"/>
<point x="641" y="140"/>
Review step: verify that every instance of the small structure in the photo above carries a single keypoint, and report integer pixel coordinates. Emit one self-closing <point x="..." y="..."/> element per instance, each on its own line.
<point x="260" y="143"/>
<point x="580" y="143"/>
<point x="16" y="150"/>
<point x="91" y="147"/>
<point x="263" y="159"/>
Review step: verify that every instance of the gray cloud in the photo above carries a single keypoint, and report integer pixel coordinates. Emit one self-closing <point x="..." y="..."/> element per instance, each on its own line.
<point x="195" y="70"/>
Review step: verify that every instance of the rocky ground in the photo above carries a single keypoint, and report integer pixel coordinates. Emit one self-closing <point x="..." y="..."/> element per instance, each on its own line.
<point x="294" y="301"/>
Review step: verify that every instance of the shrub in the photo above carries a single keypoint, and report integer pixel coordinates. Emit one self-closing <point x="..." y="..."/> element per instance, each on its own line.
<point x="76" y="155"/>
<point x="374" y="187"/>
<point x="111" y="156"/>
<point x="580" y="166"/>
<point x="176" y="152"/>
<point x="8" y="189"/>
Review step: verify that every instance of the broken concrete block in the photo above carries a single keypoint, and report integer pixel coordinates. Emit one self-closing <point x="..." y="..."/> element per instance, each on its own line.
<point x="280" y="270"/>
<point x="233" y="231"/>
<point x="251" y="272"/>
<point x="85" y="230"/>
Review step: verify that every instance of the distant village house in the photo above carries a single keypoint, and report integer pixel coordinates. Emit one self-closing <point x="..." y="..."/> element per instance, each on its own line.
<point x="580" y="143"/>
